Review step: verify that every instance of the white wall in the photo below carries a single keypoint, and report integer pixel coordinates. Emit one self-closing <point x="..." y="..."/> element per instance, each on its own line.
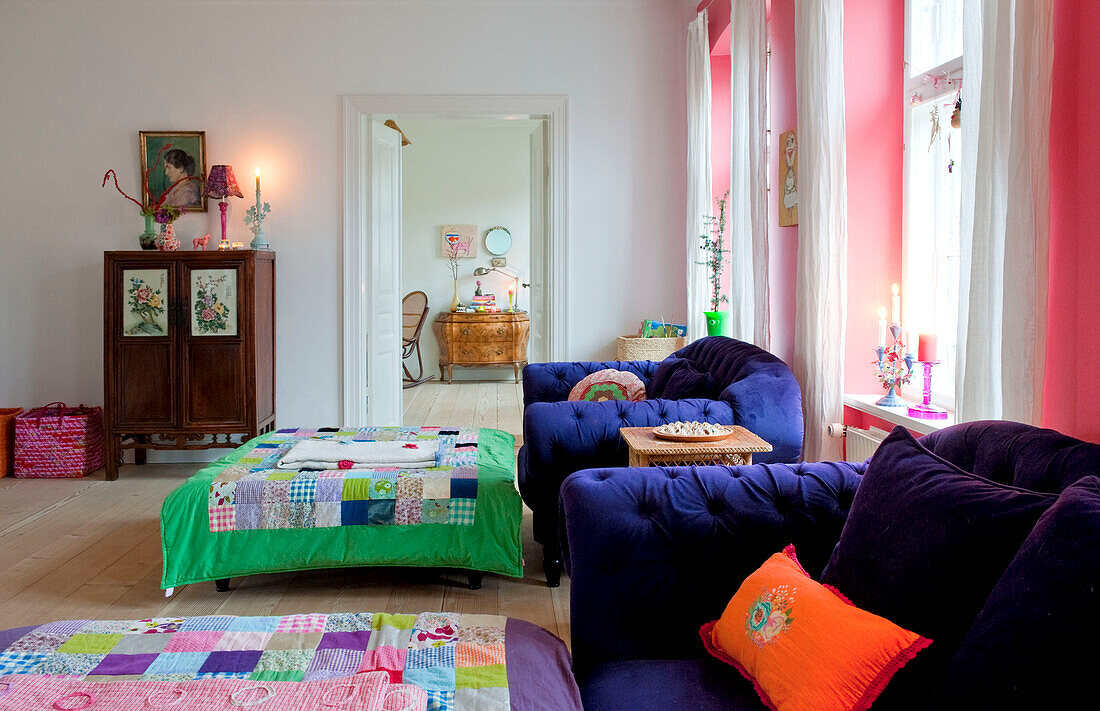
<point x="463" y="173"/>
<point x="264" y="79"/>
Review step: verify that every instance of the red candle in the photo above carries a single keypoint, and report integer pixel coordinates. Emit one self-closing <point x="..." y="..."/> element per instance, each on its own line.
<point x="926" y="351"/>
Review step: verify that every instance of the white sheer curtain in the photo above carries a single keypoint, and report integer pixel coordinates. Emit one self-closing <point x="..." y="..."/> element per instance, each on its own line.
<point x="748" y="204"/>
<point x="699" y="175"/>
<point x="822" y="279"/>
<point x="1008" y="48"/>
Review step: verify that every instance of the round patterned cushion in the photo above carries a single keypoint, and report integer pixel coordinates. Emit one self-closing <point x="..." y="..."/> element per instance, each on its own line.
<point x="609" y="384"/>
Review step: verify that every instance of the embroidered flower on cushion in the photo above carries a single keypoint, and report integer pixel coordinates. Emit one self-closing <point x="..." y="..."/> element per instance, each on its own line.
<point x="770" y="615"/>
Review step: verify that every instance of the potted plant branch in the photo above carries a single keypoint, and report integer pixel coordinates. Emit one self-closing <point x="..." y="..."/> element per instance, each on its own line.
<point x="156" y="210"/>
<point x="714" y="246"/>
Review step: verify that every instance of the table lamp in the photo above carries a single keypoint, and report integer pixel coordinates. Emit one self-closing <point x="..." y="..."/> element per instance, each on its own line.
<point x="512" y="293"/>
<point x="222" y="184"/>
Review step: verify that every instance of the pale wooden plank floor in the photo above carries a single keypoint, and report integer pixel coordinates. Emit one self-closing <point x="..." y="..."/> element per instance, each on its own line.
<point x="89" y="548"/>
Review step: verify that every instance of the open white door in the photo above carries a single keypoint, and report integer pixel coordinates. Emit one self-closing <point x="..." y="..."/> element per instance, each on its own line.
<point x="383" y="319"/>
<point x="538" y="349"/>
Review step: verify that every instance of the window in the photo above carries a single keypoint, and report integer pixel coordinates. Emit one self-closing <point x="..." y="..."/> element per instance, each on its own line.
<point x="932" y="183"/>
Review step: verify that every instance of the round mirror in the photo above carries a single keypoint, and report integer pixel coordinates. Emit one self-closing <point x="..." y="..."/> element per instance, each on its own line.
<point x="498" y="241"/>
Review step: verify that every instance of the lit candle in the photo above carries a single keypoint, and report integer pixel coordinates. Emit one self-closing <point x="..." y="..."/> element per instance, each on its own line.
<point x="882" y="327"/>
<point x="895" y="301"/>
<point x="257" y="180"/>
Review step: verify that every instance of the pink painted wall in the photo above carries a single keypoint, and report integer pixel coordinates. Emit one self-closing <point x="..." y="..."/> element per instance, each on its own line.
<point x="874" y="55"/>
<point x="783" y="241"/>
<point x="1072" y="391"/>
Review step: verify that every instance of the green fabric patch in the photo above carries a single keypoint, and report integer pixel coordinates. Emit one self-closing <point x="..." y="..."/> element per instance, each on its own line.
<point x="357" y="489"/>
<point x="269" y="675"/>
<point x="282" y="476"/>
<point x="401" y="622"/>
<point x="90" y="643"/>
<point x="481" y="677"/>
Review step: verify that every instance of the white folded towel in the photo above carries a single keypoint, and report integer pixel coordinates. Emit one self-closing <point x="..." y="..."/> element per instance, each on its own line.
<point x="327" y="454"/>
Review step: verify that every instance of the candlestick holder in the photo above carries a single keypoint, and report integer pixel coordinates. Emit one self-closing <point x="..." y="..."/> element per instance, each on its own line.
<point x="254" y="217"/>
<point x="926" y="410"/>
<point x="890" y="371"/>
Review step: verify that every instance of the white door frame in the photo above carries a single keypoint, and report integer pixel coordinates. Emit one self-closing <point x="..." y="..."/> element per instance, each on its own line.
<point x="359" y="110"/>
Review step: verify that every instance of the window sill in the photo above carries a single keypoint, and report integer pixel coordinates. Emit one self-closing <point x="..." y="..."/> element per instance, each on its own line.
<point x="897" y="415"/>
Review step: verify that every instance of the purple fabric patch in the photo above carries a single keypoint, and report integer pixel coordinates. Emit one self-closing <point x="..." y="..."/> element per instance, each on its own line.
<point x="249" y="491"/>
<point x="69" y="627"/>
<point x="334" y="663"/>
<point x="345" y="640"/>
<point x="539" y="669"/>
<point x="238" y="661"/>
<point x="120" y="664"/>
<point x="248" y="516"/>
<point x="329" y="489"/>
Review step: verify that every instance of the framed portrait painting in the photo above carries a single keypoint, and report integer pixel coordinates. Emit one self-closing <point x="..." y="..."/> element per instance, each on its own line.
<point x="178" y="163"/>
<point x="788" y="179"/>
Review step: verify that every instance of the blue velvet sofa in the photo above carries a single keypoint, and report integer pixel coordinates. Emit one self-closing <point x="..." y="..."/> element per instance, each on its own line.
<point x="755" y="390"/>
<point x="654" y="553"/>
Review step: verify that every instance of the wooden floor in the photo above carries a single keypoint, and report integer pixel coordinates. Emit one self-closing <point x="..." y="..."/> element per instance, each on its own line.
<point x="89" y="548"/>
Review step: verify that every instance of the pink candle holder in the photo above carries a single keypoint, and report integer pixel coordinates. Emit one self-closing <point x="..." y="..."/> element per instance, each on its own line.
<point x="926" y="410"/>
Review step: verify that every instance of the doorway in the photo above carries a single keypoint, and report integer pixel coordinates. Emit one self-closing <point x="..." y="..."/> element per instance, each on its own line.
<point x="374" y="274"/>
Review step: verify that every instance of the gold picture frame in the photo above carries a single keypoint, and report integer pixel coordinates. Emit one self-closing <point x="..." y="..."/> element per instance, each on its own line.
<point x="185" y="156"/>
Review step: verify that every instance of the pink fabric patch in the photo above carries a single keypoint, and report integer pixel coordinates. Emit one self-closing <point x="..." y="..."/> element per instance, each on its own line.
<point x="386" y="658"/>
<point x="302" y="623"/>
<point x="197" y="641"/>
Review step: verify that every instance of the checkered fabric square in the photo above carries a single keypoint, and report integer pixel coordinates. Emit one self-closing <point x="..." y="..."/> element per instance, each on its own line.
<point x="478" y="655"/>
<point x="441" y="700"/>
<point x="303" y="490"/>
<point x="19" y="663"/>
<point x="462" y="512"/>
<point x="302" y="623"/>
<point x="222" y="518"/>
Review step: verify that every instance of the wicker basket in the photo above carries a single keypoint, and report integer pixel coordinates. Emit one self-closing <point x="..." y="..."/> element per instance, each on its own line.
<point x="638" y="348"/>
<point x="7" y="439"/>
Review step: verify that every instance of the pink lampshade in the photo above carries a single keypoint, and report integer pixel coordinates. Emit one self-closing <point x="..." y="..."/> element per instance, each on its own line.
<point x="221" y="183"/>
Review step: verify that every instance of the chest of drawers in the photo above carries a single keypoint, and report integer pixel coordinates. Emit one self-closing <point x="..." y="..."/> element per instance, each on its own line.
<point x="481" y="340"/>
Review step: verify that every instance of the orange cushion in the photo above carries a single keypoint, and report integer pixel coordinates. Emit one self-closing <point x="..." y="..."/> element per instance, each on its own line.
<point x="803" y="645"/>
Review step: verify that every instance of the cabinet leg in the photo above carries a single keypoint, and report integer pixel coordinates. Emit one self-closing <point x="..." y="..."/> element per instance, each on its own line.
<point x="450" y="374"/>
<point x="442" y="373"/>
<point x="114" y="456"/>
<point x="516" y="368"/>
<point x="140" y="452"/>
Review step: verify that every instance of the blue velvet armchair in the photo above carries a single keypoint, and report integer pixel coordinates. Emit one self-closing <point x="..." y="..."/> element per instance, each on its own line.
<point x="757" y="391"/>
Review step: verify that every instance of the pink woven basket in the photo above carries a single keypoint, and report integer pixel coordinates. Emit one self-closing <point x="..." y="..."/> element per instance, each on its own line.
<point x="59" y="442"/>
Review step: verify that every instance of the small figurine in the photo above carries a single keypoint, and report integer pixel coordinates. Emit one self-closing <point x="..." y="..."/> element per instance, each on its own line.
<point x="199" y="243"/>
<point x="477" y="291"/>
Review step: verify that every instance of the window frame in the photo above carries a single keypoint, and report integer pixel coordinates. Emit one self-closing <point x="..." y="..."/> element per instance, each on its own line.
<point x="950" y="73"/>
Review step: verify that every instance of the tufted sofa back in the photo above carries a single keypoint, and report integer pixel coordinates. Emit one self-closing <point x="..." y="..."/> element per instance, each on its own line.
<point x="655" y="552"/>
<point x="1017" y="454"/>
<point x="551" y="382"/>
<point x="726" y="359"/>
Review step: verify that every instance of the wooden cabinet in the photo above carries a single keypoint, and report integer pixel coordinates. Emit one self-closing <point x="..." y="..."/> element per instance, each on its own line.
<point x="481" y="340"/>
<point x="188" y="350"/>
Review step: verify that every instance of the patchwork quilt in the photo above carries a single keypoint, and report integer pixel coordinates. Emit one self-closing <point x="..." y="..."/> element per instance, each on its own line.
<point x="254" y="494"/>
<point x="486" y="511"/>
<point x="459" y="660"/>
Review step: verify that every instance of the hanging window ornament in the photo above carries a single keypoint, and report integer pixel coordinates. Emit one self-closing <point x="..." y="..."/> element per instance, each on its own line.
<point x="934" y="116"/>
<point x="956" y="115"/>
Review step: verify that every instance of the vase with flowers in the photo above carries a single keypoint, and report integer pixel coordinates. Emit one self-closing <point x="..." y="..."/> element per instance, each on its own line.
<point x="157" y="211"/>
<point x="452" y="265"/>
<point x="714" y="245"/>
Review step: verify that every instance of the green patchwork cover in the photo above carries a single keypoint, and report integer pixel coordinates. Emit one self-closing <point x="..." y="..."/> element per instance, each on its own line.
<point x="192" y="553"/>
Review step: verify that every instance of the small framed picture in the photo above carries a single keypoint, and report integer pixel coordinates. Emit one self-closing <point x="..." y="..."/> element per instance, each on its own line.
<point x="459" y="239"/>
<point x="214" y="302"/>
<point x="177" y="160"/>
<point x="145" y="302"/>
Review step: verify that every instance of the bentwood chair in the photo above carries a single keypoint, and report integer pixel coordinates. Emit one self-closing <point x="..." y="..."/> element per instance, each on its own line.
<point x="414" y="312"/>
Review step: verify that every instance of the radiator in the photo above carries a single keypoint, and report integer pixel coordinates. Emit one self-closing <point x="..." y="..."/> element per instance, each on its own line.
<point x="860" y="444"/>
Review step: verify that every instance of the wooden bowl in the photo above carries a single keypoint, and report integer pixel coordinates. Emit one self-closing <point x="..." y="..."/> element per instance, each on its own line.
<point x="691" y="438"/>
